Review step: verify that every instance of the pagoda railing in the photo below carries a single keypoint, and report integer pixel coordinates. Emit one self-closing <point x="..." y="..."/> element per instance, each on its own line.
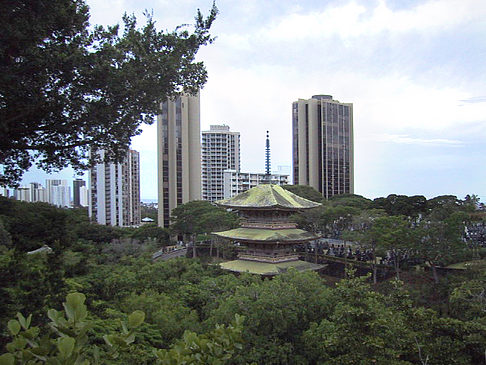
<point x="269" y="259"/>
<point x="269" y="225"/>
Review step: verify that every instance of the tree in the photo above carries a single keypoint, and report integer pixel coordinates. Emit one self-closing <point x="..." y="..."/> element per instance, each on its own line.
<point x="200" y="216"/>
<point x="438" y="240"/>
<point x="360" y="231"/>
<point x="392" y="233"/>
<point x="305" y="191"/>
<point x="350" y="200"/>
<point x="361" y="328"/>
<point x="409" y="206"/>
<point x="66" y="88"/>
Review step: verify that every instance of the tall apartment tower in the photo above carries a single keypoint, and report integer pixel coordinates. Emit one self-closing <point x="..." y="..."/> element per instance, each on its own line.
<point x="58" y="192"/>
<point x="79" y="192"/>
<point x="220" y="152"/>
<point x="32" y="193"/>
<point x="322" y="150"/>
<point x="114" y="197"/>
<point x="179" y="154"/>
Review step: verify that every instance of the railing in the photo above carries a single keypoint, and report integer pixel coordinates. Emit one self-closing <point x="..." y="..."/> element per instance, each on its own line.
<point x="268" y="259"/>
<point x="268" y="225"/>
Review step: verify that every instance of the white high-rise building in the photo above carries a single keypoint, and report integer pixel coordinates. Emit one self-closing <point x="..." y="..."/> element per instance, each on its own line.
<point x="4" y="192"/>
<point x="236" y="182"/>
<point x="58" y="192"/>
<point x="114" y="197"/>
<point x="220" y="152"/>
<point x="83" y="196"/>
<point x="22" y="193"/>
<point x="322" y="130"/>
<point x="34" y="192"/>
<point x="178" y="154"/>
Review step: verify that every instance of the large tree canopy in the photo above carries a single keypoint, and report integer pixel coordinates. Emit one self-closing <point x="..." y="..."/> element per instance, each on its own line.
<point x="66" y="88"/>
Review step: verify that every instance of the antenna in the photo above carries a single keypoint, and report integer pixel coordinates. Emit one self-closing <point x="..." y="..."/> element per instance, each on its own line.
<point x="267" y="157"/>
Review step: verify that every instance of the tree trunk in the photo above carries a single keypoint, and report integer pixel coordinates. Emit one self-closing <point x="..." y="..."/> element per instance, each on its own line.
<point x="434" y="273"/>
<point x="315" y="253"/>
<point x="397" y="269"/>
<point x="374" y="264"/>
<point x="211" y="248"/>
<point x="194" y="254"/>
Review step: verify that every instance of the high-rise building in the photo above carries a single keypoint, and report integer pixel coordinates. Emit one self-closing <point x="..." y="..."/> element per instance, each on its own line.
<point x="58" y="192"/>
<point x="22" y="193"/>
<point x="322" y="130"/>
<point x="83" y="196"/>
<point x="34" y="192"/>
<point x="79" y="194"/>
<point x="236" y="182"/>
<point x="114" y="197"/>
<point x="4" y="192"/>
<point x="179" y="154"/>
<point x="220" y="152"/>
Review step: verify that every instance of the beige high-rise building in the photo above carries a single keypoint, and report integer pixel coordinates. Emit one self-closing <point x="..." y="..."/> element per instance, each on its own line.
<point x="322" y="148"/>
<point x="178" y="155"/>
<point x="220" y="152"/>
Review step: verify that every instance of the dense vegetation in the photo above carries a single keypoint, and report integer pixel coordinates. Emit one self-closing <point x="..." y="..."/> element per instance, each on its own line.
<point x="68" y="87"/>
<point x="296" y="318"/>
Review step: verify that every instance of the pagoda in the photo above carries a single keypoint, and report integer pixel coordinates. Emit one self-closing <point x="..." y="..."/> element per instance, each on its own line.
<point x="267" y="230"/>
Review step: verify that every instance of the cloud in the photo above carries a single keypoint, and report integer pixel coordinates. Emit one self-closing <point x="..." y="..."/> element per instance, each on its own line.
<point x="353" y="19"/>
<point x="405" y="139"/>
<point x="475" y="99"/>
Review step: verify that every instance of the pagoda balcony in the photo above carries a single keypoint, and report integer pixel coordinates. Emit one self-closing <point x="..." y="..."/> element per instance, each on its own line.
<point x="268" y="225"/>
<point x="269" y="259"/>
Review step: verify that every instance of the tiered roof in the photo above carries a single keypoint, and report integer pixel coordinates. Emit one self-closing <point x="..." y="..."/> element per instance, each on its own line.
<point x="267" y="196"/>
<point x="268" y="235"/>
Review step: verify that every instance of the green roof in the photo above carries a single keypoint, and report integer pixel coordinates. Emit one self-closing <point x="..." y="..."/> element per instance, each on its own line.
<point x="268" y="196"/>
<point x="270" y="235"/>
<point x="264" y="268"/>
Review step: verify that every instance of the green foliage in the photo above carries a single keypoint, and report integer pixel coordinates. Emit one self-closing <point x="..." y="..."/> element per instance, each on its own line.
<point x="350" y="200"/>
<point x="438" y="240"/>
<point x="151" y="231"/>
<point x="216" y="347"/>
<point x="200" y="216"/>
<point x="31" y="225"/>
<point x="277" y="312"/>
<point x="360" y="329"/>
<point x="305" y="191"/>
<point x="67" y="87"/>
<point x="408" y="206"/>
<point x="295" y="318"/>
<point x="68" y="344"/>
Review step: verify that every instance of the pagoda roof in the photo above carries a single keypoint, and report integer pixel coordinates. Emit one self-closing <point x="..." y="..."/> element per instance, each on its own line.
<point x="268" y="235"/>
<point x="267" y="196"/>
<point x="268" y="269"/>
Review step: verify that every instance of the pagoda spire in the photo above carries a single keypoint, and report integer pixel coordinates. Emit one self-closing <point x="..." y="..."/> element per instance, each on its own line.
<point x="267" y="159"/>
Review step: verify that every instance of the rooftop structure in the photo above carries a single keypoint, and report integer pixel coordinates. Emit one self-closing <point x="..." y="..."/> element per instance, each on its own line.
<point x="267" y="231"/>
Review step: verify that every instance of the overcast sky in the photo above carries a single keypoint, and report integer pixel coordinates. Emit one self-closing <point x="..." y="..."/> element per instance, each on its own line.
<point x="414" y="70"/>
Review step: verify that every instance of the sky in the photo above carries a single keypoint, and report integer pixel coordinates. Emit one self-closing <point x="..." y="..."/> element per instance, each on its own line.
<point x="415" y="72"/>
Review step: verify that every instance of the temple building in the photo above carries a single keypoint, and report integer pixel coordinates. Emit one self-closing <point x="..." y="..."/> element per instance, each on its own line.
<point x="266" y="231"/>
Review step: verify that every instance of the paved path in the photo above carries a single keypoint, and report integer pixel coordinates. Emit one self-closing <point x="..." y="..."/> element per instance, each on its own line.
<point x="159" y="255"/>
